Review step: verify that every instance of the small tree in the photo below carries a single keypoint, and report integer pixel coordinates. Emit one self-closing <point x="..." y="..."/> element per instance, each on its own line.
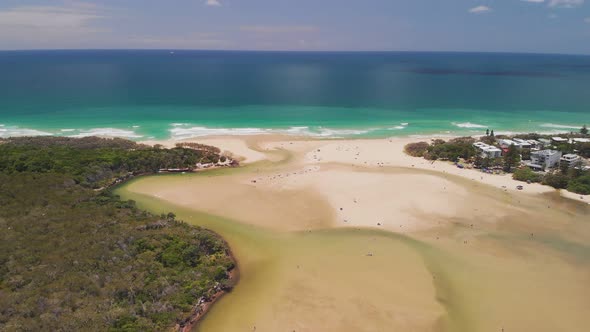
<point x="563" y="167"/>
<point x="487" y="132"/>
<point x="584" y="130"/>
<point x="511" y="158"/>
<point x="492" y="133"/>
<point x="526" y="174"/>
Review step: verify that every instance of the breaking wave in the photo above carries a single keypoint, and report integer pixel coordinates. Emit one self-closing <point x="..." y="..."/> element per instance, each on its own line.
<point x="19" y="132"/>
<point x="107" y="132"/>
<point x="559" y="126"/>
<point x="468" y="125"/>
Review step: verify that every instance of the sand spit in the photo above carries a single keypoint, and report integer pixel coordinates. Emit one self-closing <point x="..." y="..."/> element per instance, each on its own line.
<point x="354" y="235"/>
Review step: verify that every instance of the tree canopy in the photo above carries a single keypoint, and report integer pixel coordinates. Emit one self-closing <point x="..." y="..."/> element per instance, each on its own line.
<point x="76" y="259"/>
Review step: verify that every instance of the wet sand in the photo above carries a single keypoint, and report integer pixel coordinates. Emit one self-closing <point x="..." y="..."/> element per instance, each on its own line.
<point x="422" y="248"/>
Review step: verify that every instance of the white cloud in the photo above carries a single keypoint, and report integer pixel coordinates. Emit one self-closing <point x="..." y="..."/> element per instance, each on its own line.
<point x="587" y="20"/>
<point x="480" y="9"/>
<point x="73" y="15"/>
<point x="278" y="28"/>
<point x="213" y="3"/>
<point x="65" y="25"/>
<point x="565" y="3"/>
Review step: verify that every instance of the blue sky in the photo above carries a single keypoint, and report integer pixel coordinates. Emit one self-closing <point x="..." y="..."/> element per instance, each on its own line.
<point x="545" y="26"/>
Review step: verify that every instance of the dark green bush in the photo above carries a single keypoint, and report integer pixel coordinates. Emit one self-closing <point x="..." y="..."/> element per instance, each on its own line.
<point x="527" y="174"/>
<point x="74" y="259"/>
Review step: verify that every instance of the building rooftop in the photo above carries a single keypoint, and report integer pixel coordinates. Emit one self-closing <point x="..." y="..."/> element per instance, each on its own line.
<point x="570" y="156"/>
<point x="545" y="152"/>
<point x="559" y="139"/>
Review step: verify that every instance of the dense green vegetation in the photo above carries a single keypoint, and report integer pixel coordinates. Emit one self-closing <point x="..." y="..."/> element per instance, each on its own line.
<point x="76" y="259"/>
<point x="511" y="159"/>
<point x="580" y="185"/>
<point x="94" y="162"/>
<point x="572" y="179"/>
<point x="444" y="150"/>
<point x="527" y="175"/>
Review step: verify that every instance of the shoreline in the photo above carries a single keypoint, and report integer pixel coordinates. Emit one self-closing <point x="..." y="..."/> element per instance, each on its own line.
<point x="378" y="152"/>
<point x="379" y="194"/>
<point x="201" y="309"/>
<point x="190" y="131"/>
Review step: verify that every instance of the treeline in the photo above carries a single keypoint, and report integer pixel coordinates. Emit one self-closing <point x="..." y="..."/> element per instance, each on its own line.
<point x="94" y="161"/>
<point x="461" y="147"/>
<point x="573" y="179"/>
<point x="74" y="259"/>
<point x="579" y="148"/>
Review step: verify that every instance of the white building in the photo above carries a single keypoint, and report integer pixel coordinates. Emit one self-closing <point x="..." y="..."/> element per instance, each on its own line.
<point x="571" y="160"/>
<point x="506" y="143"/>
<point x="541" y="160"/>
<point x="559" y="140"/>
<point x="544" y="142"/>
<point x="488" y="151"/>
<point x="580" y="140"/>
<point x="522" y="143"/>
<point x="535" y="144"/>
<point x="517" y="142"/>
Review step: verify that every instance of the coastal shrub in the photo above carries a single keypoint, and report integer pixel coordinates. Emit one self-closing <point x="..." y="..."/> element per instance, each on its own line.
<point x="526" y="174"/>
<point x="95" y="162"/>
<point x="417" y="149"/>
<point x="580" y="185"/>
<point x="490" y="140"/>
<point x="511" y="158"/>
<point x="533" y="136"/>
<point x="583" y="149"/>
<point x="76" y="259"/>
<point x="556" y="180"/>
<point x="452" y="150"/>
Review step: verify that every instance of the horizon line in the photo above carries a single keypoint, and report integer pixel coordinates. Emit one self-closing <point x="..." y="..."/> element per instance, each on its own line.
<point x="289" y="51"/>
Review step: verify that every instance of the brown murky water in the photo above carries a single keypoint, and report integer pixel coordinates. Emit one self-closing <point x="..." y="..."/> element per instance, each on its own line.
<point x="526" y="271"/>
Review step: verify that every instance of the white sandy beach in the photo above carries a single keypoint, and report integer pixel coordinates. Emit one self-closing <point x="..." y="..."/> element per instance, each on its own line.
<point x="326" y="229"/>
<point x="368" y="183"/>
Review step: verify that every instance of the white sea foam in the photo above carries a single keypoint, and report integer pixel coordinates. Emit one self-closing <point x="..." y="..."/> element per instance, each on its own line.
<point x="182" y="133"/>
<point x="402" y="125"/>
<point x="296" y="131"/>
<point x="200" y="131"/>
<point x="136" y="126"/>
<point x="16" y="132"/>
<point x="108" y="132"/>
<point x="319" y="131"/>
<point x="67" y="130"/>
<point x="559" y="126"/>
<point x="327" y="132"/>
<point x="468" y="125"/>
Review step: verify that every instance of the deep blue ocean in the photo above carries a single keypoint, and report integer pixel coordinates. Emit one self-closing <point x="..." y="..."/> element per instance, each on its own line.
<point x="179" y="94"/>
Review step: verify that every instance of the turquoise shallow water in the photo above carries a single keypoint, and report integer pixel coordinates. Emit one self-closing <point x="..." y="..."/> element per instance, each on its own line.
<point x="159" y="94"/>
